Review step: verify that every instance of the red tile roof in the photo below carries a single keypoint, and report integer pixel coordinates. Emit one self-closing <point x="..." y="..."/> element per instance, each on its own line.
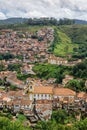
<point x="43" y="90"/>
<point x="63" y="92"/>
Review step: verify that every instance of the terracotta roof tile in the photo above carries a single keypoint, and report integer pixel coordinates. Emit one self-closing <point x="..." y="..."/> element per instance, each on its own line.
<point x="81" y="95"/>
<point x="43" y="90"/>
<point x="64" y="92"/>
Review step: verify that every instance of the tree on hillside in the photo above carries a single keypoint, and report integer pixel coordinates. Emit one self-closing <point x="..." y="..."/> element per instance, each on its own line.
<point x="76" y="85"/>
<point x="80" y="70"/>
<point x="59" y="116"/>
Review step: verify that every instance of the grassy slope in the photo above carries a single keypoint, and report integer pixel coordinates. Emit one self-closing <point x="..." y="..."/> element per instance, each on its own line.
<point x="71" y="36"/>
<point x="64" y="47"/>
<point x="78" y="33"/>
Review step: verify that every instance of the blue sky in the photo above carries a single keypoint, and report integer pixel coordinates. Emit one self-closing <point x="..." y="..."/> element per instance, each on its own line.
<point x="43" y="8"/>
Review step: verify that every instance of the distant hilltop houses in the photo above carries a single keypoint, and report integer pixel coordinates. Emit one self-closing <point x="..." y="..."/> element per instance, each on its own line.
<point x="33" y="47"/>
<point x="62" y="61"/>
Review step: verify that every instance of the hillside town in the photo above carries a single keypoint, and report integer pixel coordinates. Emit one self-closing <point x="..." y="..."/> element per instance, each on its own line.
<point x="43" y="64"/>
<point x="34" y="97"/>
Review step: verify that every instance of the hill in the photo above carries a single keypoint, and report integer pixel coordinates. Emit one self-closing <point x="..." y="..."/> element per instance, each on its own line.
<point x="41" y="21"/>
<point x="80" y="21"/>
<point x="70" y="40"/>
<point x="63" y="44"/>
<point x="13" y="21"/>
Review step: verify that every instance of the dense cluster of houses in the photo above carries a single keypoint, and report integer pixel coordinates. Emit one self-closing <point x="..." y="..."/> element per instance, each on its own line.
<point x="24" y="43"/>
<point x="36" y="99"/>
<point x="30" y="48"/>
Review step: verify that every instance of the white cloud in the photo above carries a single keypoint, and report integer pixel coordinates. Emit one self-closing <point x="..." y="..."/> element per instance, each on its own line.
<point x="43" y="8"/>
<point x="2" y="16"/>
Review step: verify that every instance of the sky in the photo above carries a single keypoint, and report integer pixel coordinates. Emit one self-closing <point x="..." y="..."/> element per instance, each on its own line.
<point x="73" y="9"/>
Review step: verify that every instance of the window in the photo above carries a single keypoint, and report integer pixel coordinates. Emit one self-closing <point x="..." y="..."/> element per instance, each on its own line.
<point x="45" y="95"/>
<point x="16" y="105"/>
<point x="30" y="87"/>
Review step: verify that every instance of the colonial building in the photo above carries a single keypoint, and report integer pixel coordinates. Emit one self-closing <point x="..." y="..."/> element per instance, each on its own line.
<point x="57" y="60"/>
<point x="62" y="93"/>
<point x="49" y="93"/>
<point x="39" y="93"/>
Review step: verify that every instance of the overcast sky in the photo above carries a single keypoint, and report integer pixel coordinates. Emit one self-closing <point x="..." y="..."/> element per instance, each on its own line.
<point x="44" y="8"/>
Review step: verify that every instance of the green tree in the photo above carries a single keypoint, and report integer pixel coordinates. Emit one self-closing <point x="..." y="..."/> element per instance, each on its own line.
<point x="14" y="67"/>
<point x="76" y="85"/>
<point x="81" y="125"/>
<point x="6" y="124"/>
<point x="80" y="70"/>
<point x="13" y="87"/>
<point x="2" y="67"/>
<point x="60" y="116"/>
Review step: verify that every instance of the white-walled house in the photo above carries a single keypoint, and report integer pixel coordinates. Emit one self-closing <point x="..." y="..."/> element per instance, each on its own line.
<point x="49" y="93"/>
<point x="62" y="93"/>
<point x="40" y="93"/>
